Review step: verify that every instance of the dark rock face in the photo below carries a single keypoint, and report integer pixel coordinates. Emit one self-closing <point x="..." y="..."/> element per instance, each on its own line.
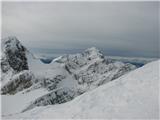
<point x="15" y="55"/>
<point x="17" y="59"/>
<point x="56" y="97"/>
<point x="4" y="65"/>
<point x="51" y="83"/>
<point x="14" y="62"/>
<point x="20" y="81"/>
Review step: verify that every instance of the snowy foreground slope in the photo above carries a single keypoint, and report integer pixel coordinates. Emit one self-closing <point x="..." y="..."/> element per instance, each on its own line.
<point x="134" y="95"/>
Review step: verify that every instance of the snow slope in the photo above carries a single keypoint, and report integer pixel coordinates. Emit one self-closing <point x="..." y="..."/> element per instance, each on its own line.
<point x="134" y="95"/>
<point x="13" y="104"/>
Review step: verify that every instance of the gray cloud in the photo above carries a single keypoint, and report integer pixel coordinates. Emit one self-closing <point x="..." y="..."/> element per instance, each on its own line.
<point x="119" y="28"/>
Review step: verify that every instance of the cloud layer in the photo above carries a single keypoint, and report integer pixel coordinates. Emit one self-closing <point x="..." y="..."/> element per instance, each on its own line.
<point x="119" y="28"/>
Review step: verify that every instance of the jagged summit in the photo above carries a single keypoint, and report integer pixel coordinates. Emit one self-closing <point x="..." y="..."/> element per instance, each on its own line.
<point x="80" y="59"/>
<point x="10" y="38"/>
<point x="11" y="43"/>
<point x="92" y="49"/>
<point x="93" y="52"/>
<point x="13" y="54"/>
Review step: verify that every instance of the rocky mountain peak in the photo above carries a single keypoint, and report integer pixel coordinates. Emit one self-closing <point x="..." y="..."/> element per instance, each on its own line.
<point x="92" y="49"/>
<point x="11" y="43"/>
<point x="93" y="52"/>
<point x="13" y="54"/>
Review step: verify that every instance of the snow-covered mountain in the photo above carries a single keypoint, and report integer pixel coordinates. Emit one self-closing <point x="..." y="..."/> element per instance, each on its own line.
<point x="25" y="78"/>
<point x="132" y="96"/>
<point x="16" y="63"/>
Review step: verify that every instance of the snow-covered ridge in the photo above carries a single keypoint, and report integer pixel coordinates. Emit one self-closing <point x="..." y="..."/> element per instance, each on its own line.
<point x="132" y="96"/>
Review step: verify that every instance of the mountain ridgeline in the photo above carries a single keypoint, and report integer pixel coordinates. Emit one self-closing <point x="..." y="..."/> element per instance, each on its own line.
<point x="65" y="78"/>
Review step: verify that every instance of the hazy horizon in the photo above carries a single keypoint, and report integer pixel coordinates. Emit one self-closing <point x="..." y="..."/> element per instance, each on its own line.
<point x="53" y="53"/>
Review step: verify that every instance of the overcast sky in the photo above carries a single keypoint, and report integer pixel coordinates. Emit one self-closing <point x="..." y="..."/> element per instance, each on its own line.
<point x="118" y="28"/>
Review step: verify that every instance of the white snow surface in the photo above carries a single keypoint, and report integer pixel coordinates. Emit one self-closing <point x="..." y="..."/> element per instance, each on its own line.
<point x="133" y="95"/>
<point x="12" y="104"/>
